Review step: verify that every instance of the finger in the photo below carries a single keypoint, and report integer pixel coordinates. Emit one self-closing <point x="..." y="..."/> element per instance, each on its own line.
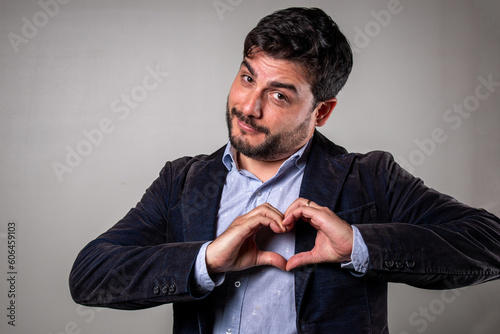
<point x="298" y="203"/>
<point x="266" y="258"/>
<point x="300" y="212"/>
<point x="249" y="226"/>
<point x="242" y="229"/>
<point x="317" y="216"/>
<point x="290" y="219"/>
<point x="268" y="211"/>
<point x="277" y="227"/>
<point x="269" y="206"/>
<point x="299" y="260"/>
<point x="292" y="215"/>
<point x="265" y="208"/>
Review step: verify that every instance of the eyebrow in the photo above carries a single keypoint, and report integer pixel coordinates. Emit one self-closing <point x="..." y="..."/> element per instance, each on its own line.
<point x="275" y="84"/>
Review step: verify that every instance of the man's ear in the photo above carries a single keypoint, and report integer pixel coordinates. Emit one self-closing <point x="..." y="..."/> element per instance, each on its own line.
<point x="324" y="110"/>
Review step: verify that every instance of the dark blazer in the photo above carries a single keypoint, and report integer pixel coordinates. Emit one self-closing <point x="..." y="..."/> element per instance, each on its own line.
<point x="414" y="235"/>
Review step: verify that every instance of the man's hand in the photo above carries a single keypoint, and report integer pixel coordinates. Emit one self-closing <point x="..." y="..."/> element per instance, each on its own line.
<point x="334" y="239"/>
<point x="236" y="250"/>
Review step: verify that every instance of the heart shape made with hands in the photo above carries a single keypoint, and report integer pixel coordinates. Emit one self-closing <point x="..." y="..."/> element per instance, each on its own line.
<point x="243" y="244"/>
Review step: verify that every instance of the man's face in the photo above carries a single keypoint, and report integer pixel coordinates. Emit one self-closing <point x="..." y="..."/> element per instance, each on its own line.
<point x="270" y="108"/>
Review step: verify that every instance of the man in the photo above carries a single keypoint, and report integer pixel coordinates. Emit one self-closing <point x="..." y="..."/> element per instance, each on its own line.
<point x="282" y="231"/>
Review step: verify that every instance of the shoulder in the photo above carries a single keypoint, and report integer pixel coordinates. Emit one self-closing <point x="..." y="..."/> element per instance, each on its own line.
<point x="336" y="153"/>
<point x="377" y="166"/>
<point x="382" y="159"/>
<point x="178" y="174"/>
<point x="185" y="164"/>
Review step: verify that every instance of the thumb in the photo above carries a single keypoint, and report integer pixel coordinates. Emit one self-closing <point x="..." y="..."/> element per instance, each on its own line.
<point x="271" y="259"/>
<point x="299" y="260"/>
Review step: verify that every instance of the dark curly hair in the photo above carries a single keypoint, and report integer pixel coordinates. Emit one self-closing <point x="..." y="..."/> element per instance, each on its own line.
<point x="310" y="38"/>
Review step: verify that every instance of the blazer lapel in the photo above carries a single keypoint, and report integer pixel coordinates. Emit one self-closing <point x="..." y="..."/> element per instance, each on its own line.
<point x="204" y="183"/>
<point x="324" y="176"/>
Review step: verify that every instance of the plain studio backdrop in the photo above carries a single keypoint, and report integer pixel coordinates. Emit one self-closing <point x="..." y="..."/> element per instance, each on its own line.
<point x="95" y="96"/>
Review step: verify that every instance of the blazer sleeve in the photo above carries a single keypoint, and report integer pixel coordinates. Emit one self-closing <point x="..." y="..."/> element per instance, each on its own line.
<point x="131" y="266"/>
<point x="429" y="240"/>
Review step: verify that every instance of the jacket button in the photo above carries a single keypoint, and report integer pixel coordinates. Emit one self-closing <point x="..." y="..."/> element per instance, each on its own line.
<point x="410" y="264"/>
<point x="156" y="290"/>
<point x="389" y="264"/>
<point x="399" y="264"/>
<point x="164" y="290"/>
<point x="171" y="288"/>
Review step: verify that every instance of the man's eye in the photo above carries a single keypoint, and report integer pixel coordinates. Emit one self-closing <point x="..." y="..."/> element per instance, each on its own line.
<point x="248" y="79"/>
<point x="280" y="96"/>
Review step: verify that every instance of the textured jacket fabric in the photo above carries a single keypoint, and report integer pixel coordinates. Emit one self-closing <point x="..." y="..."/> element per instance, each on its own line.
<point x="414" y="235"/>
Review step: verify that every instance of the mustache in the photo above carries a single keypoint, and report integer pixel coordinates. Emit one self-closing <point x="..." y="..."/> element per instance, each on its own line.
<point x="249" y="121"/>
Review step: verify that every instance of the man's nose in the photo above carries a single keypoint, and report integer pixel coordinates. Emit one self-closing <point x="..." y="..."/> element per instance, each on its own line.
<point x="252" y="106"/>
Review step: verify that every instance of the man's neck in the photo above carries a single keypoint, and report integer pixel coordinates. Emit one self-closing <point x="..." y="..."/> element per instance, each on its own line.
<point x="263" y="170"/>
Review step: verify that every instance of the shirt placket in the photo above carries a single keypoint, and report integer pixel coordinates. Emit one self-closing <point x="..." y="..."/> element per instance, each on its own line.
<point x="238" y="285"/>
<point x="239" y="281"/>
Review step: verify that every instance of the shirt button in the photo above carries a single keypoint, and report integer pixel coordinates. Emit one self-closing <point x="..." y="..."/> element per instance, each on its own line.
<point x="237" y="284"/>
<point x="228" y="331"/>
<point x="259" y="194"/>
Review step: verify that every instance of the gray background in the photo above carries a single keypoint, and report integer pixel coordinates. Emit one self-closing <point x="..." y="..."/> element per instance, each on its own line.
<point x="70" y="75"/>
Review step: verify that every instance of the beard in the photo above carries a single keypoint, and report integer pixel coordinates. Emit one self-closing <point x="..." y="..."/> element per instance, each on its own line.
<point x="275" y="146"/>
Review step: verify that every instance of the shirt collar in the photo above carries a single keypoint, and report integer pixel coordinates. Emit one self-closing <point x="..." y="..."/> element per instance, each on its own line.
<point x="299" y="158"/>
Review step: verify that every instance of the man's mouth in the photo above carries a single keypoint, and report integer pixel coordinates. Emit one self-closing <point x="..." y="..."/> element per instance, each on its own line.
<point x="247" y="124"/>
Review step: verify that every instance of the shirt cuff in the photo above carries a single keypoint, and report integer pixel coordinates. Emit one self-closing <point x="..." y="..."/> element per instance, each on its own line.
<point x="204" y="282"/>
<point x="359" y="256"/>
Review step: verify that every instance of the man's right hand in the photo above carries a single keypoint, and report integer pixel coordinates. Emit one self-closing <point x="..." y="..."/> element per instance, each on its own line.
<point x="236" y="250"/>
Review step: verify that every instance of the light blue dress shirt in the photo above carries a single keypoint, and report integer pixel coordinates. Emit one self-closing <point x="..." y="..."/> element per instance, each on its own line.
<point x="261" y="299"/>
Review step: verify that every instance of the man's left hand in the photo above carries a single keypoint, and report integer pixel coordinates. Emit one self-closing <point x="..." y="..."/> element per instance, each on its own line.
<point x="334" y="240"/>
